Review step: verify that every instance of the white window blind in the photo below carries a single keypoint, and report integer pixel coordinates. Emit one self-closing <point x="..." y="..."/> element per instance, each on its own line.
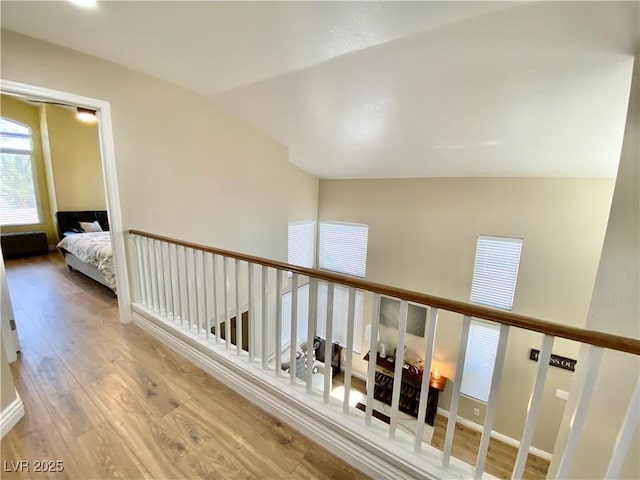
<point x="480" y="359"/>
<point x="495" y="273"/>
<point x="301" y="243"/>
<point x="343" y="247"/>
<point x="18" y="200"/>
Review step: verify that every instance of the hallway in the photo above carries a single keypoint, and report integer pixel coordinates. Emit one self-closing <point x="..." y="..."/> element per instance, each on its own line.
<point x="109" y="401"/>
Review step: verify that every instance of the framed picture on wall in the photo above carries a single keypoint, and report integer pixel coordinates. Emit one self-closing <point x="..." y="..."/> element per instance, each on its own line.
<point x="390" y="316"/>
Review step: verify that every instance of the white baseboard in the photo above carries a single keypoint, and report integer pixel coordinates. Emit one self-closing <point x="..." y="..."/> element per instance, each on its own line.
<point x="11" y="415"/>
<point x="346" y="437"/>
<point x="497" y="435"/>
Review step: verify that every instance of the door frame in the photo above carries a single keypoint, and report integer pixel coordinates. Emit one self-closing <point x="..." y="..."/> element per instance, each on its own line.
<point x="107" y="151"/>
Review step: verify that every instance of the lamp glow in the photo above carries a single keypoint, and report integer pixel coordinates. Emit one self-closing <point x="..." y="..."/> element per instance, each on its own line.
<point x="86" y="115"/>
<point x="436" y="374"/>
<point x="85" y="3"/>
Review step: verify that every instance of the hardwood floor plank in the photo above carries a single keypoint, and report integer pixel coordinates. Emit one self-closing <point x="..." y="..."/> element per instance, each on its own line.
<point x="317" y="460"/>
<point x="36" y="415"/>
<point x="100" y="453"/>
<point x="73" y="413"/>
<point x="161" y="448"/>
<point x="43" y="444"/>
<point x="206" y="430"/>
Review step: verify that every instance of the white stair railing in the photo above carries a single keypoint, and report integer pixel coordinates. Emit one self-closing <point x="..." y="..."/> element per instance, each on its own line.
<point x="193" y="289"/>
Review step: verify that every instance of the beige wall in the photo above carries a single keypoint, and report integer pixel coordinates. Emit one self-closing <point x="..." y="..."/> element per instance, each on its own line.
<point x="7" y="389"/>
<point x="29" y="115"/>
<point x="76" y="163"/>
<point x="615" y="308"/>
<point x="186" y="168"/>
<point x="422" y="236"/>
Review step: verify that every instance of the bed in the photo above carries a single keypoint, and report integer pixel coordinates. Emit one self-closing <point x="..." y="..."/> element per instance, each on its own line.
<point x="85" y="243"/>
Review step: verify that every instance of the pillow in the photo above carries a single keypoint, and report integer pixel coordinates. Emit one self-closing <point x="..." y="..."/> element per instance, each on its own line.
<point x="90" y="226"/>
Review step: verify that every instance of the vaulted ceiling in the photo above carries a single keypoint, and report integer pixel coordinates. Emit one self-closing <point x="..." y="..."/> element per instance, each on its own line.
<point x="385" y="89"/>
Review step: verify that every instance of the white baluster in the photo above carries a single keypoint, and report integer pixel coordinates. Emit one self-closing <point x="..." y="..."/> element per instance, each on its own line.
<point x="225" y="298"/>
<point x="264" y="319"/>
<point x="252" y="316"/>
<point x="349" y="355"/>
<point x="238" y="309"/>
<point x="580" y="414"/>
<point x="533" y="409"/>
<point x="430" y="341"/>
<point x="373" y="357"/>
<point x="157" y="247"/>
<point x="294" y="328"/>
<point x="278" y="335"/>
<point x="214" y="283"/>
<point x="311" y="330"/>
<point x="455" y="396"/>
<point x="200" y="290"/>
<point x="193" y="292"/>
<point x="141" y="286"/>
<point x="147" y="275"/>
<point x="328" y="344"/>
<point x="154" y="275"/>
<point x="184" y="294"/>
<point x="175" y="282"/>
<point x="190" y="290"/>
<point x="494" y="391"/>
<point x="206" y="259"/>
<point x="166" y="275"/>
<point x="397" y="373"/>
<point x="626" y="433"/>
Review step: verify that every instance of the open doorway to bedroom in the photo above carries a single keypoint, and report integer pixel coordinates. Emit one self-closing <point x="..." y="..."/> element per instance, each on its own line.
<point x="59" y="184"/>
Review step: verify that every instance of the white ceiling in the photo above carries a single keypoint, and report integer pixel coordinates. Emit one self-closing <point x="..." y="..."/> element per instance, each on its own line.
<point x="393" y="89"/>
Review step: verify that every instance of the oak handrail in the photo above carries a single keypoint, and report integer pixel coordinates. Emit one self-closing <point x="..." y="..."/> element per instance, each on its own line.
<point x="592" y="337"/>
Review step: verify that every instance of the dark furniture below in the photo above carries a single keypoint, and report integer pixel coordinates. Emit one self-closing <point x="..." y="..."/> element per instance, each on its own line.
<point x="69" y="222"/>
<point x="410" y="389"/>
<point x="20" y="244"/>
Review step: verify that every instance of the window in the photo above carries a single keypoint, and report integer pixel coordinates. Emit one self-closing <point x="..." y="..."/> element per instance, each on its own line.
<point x="343" y="247"/>
<point x="481" y="357"/>
<point x="18" y="201"/>
<point x="495" y="271"/>
<point x="301" y="244"/>
<point x="495" y="274"/>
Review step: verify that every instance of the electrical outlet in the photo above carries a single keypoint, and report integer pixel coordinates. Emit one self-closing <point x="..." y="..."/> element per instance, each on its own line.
<point x="476" y="412"/>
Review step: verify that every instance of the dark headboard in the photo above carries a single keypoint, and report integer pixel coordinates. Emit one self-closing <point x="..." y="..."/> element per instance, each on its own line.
<point x="70" y="221"/>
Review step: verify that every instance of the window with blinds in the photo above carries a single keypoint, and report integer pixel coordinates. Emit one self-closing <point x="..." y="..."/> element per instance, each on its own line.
<point x="301" y="244"/>
<point x="343" y="247"/>
<point x="495" y="274"/>
<point x="481" y="356"/>
<point x="18" y="200"/>
<point x="495" y="271"/>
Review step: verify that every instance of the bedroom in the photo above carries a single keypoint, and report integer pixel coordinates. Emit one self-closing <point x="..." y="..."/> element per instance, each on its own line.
<point x="66" y="186"/>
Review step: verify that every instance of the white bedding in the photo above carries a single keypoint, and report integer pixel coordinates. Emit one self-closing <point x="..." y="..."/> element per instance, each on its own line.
<point x="93" y="248"/>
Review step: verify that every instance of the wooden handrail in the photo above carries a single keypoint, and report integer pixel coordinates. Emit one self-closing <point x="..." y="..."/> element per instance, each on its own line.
<point x="592" y="337"/>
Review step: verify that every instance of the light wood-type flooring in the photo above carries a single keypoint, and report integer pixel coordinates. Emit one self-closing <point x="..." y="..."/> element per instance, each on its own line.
<point x="109" y="401"/>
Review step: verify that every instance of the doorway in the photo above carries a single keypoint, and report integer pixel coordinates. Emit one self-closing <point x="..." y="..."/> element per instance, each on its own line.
<point x="107" y="152"/>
